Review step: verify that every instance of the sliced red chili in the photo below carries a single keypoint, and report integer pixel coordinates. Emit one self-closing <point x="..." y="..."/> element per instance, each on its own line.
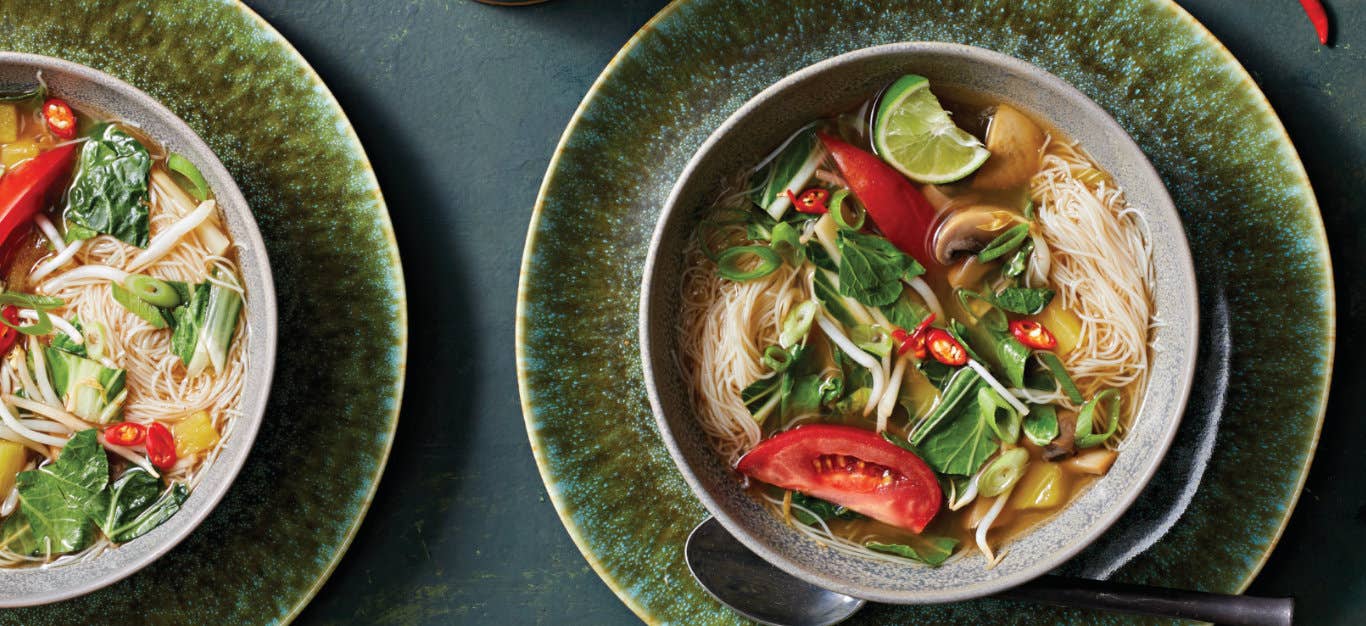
<point x="812" y="201"/>
<point x="160" y="446"/>
<point x="913" y="341"/>
<point x="944" y="348"/>
<point x="60" y="119"/>
<point x="127" y="434"/>
<point x="9" y="336"/>
<point x="1033" y="334"/>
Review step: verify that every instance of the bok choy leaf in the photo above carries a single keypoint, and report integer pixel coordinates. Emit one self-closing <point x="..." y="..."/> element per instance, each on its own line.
<point x="89" y="390"/>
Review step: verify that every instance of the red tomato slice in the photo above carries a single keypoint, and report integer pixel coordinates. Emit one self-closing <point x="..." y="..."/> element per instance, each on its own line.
<point x="852" y="467"/>
<point x="894" y="204"/>
<point x="25" y="190"/>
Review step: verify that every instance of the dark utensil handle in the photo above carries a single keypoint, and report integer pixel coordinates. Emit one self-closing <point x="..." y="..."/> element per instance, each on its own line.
<point x="1142" y="600"/>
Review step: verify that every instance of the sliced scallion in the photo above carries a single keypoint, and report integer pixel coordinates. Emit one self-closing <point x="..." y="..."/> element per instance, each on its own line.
<point x="1003" y="472"/>
<point x="151" y="290"/>
<point x="1004" y="243"/>
<point x="848" y="215"/>
<point x="1086" y="419"/>
<point x="730" y="263"/>
<point x="1060" y="374"/>
<point x="797" y="323"/>
<point x="999" y="415"/>
<point x="184" y="167"/>
<point x="777" y="359"/>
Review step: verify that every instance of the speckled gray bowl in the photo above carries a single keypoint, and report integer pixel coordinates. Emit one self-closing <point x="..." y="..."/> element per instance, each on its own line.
<point x="95" y="90"/>
<point x="836" y="84"/>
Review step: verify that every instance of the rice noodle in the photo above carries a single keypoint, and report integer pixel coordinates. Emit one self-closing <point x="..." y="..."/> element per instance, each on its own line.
<point x="1100" y="261"/>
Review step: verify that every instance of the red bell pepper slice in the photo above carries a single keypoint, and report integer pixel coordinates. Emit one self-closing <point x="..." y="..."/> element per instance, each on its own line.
<point x="25" y="190"/>
<point x="897" y="208"/>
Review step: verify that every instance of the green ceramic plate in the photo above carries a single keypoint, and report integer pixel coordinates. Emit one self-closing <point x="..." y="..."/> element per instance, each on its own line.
<point x="272" y="541"/>
<point x="1222" y="496"/>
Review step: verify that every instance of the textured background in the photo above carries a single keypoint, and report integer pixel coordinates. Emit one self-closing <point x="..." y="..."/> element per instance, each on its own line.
<point x="460" y="106"/>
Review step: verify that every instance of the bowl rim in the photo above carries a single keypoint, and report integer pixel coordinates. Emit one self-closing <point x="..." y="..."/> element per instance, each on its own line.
<point x="244" y="434"/>
<point x="1092" y="111"/>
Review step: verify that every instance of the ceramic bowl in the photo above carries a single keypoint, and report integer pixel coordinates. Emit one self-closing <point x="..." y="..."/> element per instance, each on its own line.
<point x="96" y="91"/>
<point x="834" y="85"/>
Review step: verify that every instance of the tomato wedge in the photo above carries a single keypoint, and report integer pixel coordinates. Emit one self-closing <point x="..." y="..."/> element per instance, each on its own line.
<point x="849" y="466"/>
<point x="25" y="190"/>
<point x="894" y="204"/>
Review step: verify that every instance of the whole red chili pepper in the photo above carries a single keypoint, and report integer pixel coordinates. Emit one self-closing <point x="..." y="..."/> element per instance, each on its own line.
<point x="1318" y="16"/>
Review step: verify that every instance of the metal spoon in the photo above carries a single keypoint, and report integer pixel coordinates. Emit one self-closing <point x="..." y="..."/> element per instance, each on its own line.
<point x="752" y="587"/>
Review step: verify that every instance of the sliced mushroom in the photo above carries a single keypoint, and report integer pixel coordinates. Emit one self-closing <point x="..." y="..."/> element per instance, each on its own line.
<point x="969" y="229"/>
<point x="1016" y="144"/>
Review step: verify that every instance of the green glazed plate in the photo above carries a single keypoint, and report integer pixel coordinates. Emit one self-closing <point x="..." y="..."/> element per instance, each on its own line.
<point x="273" y="540"/>
<point x="1219" y="502"/>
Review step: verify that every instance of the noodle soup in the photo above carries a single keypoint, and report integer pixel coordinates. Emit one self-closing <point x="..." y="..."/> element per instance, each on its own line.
<point x="919" y="327"/>
<point x="124" y="332"/>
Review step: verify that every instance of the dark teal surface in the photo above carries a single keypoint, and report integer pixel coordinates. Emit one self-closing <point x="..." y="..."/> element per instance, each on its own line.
<point x="460" y="106"/>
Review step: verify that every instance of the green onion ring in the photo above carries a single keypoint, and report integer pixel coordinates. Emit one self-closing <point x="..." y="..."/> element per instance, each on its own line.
<point x="728" y="263"/>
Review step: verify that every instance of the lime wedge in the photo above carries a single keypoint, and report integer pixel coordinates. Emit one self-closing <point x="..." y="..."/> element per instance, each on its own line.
<point x="914" y="134"/>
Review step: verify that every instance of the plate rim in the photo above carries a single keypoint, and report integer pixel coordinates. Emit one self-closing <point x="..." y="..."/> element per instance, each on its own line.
<point x="386" y="225"/>
<point x="562" y="509"/>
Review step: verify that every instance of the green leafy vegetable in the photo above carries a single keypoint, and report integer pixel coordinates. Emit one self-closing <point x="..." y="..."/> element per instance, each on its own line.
<point x="960" y="389"/>
<point x="64" y="343"/>
<point x="1029" y="209"/>
<point x="109" y="191"/>
<point x="871" y="268"/>
<point x="931" y="551"/>
<point x="1060" y="375"/>
<point x="790" y="170"/>
<point x="1041" y="425"/>
<point x="1086" y="419"/>
<point x="761" y="396"/>
<point x="40" y="304"/>
<point x="816" y="253"/>
<point x="205" y="324"/>
<point x="821" y="508"/>
<point x="134" y="505"/>
<point x="905" y="312"/>
<point x="961" y="444"/>
<point x="1020" y="260"/>
<point x="830" y="298"/>
<point x="1004" y="243"/>
<point x="801" y="395"/>
<point x="855" y="375"/>
<point x="89" y="390"/>
<point x="999" y="415"/>
<point x="16" y="534"/>
<point x="1023" y="300"/>
<point x="53" y="497"/>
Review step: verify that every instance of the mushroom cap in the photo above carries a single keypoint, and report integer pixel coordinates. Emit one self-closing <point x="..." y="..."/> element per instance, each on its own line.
<point x="1016" y="144"/>
<point x="969" y="229"/>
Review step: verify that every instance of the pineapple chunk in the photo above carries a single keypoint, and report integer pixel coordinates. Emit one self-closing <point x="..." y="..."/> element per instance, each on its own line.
<point x="9" y="123"/>
<point x="1064" y="324"/>
<point x="1043" y="486"/>
<point x="12" y="459"/>
<point x="194" y="434"/>
<point x="14" y="153"/>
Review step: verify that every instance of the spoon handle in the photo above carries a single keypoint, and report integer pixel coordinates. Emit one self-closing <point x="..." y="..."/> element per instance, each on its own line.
<point x="1124" y="598"/>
